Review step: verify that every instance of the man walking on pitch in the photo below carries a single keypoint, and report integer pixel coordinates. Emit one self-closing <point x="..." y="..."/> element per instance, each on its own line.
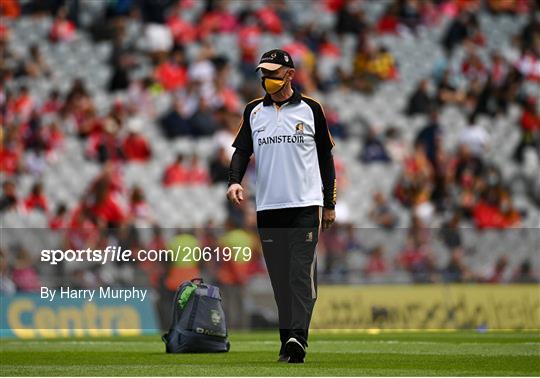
<point x="288" y="134"/>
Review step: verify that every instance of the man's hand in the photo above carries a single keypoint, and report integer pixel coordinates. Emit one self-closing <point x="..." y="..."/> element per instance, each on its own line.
<point x="328" y="217"/>
<point x="235" y="193"/>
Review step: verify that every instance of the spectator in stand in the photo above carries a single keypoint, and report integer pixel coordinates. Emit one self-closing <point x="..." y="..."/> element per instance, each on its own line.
<point x="464" y="26"/>
<point x="498" y="275"/>
<point x="140" y="96"/>
<point x="59" y="220"/>
<point x="448" y="92"/>
<point x="139" y="209"/>
<point x="389" y="21"/>
<point x="35" y="160"/>
<point x="23" y="104"/>
<point x="450" y="233"/>
<point x="171" y="72"/>
<point x="24" y="274"/>
<point x="381" y="212"/>
<point x="219" y="166"/>
<point x="53" y="139"/>
<point x="510" y="216"/>
<point x="524" y="273"/>
<point x="395" y="145"/>
<point x="373" y="149"/>
<point x="53" y="104"/>
<point x="410" y="14"/>
<point x="475" y="137"/>
<point x="35" y="65"/>
<point x="174" y="124"/>
<point x="486" y="213"/>
<point x="495" y="210"/>
<point x="176" y="173"/>
<point x="105" y="145"/>
<point x="103" y="201"/>
<point x="10" y="9"/>
<point x="351" y="19"/>
<point x="202" y="122"/>
<point x="9" y="200"/>
<point x="457" y="270"/>
<point x="135" y="147"/>
<point x="36" y="200"/>
<point x="7" y="286"/>
<point x="82" y="227"/>
<point x="376" y="264"/>
<point x="63" y="29"/>
<point x="420" y="101"/>
<point x="530" y="130"/>
<point x="430" y="138"/>
<point x="373" y="65"/>
<point x="467" y="167"/>
<point x="197" y="174"/>
<point x="11" y="151"/>
<point x="415" y="259"/>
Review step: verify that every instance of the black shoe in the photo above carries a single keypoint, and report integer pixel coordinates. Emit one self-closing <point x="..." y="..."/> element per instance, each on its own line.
<point x="283" y="358"/>
<point x="295" y="350"/>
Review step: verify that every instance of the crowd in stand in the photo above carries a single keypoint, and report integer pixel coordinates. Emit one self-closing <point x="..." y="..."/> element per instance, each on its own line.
<point x="205" y="104"/>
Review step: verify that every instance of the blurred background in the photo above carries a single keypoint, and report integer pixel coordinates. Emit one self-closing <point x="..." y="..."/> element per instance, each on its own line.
<point x="118" y="117"/>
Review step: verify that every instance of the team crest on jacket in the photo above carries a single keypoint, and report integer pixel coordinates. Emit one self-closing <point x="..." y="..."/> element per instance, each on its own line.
<point x="299" y="128"/>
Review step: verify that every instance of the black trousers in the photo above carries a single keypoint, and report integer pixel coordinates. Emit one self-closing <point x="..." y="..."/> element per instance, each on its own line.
<point x="289" y="238"/>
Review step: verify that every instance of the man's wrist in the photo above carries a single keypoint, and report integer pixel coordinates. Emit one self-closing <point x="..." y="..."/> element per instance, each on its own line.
<point x="329" y="206"/>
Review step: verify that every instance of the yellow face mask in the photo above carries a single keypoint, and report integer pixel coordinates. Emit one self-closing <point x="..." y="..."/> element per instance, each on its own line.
<point x="272" y="85"/>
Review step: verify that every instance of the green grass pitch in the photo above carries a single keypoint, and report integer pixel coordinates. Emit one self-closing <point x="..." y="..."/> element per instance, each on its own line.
<point x="254" y="353"/>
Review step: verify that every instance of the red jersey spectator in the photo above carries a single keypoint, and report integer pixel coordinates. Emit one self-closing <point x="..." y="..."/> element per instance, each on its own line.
<point x="270" y="19"/>
<point x="176" y="173"/>
<point x="23" y="104"/>
<point x="217" y="20"/>
<point x="249" y="40"/>
<point x="172" y="73"/>
<point x="58" y="221"/>
<point x="105" y="146"/>
<point x="138" y="207"/>
<point x="197" y="173"/>
<point x="487" y="215"/>
<point x="53" y="137"/>
<point x="10" y="158"/>
<point x="376" y="263"/>
<point x="103" y="200"/>
<point x="182" y="31"/>
<point x="82" y="229"/>
<point x="135" y="146"/>
<point x="530" y="119"/>
<point x="63" y="30"/>
<point x="411" y="257"/>
<point x="10" y="8"/>
<point x="53" y="104"/>
<point x="36" y="200"/>
<point x="108" y="208"/>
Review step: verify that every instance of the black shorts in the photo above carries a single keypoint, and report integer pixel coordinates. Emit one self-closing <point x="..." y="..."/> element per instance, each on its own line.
<point x="293" y="217"/>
